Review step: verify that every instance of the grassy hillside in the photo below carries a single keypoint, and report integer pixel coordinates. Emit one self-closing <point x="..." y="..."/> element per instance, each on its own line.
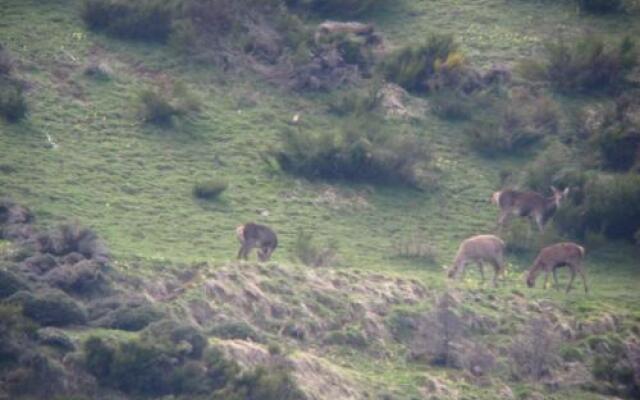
<point x="132" y="183"/>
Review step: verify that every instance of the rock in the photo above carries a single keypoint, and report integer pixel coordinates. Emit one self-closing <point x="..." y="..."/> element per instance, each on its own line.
<point x="395" y="102"/>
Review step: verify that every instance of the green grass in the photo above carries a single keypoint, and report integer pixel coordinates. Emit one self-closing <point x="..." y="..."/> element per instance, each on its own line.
<point x="133" y="183"/>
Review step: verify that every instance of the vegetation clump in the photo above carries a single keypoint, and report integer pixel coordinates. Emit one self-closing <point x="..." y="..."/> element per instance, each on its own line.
<point x="310" y="253"/>
<point x="13" y="106"/>
<point x="360" y="151"/>
<point x="163" y="106"/>
<point x="588" y="65"/>
<point x="348" y="7"/>
<point x="416" y="68"/>
<point x="54" y="308"/>
<point x="210" y="189"/>
<point x="138" y="19"/>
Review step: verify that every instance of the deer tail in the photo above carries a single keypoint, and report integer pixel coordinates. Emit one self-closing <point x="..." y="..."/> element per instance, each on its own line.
<point x="495" y="198"/>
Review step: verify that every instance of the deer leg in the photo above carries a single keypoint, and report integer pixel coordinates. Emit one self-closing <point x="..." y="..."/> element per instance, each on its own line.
<point x="546" y="279"/>
<point x="540" y="223"/>
<point x="496" y="272"/>
<point x="481" y="267"/>
<point x="555" y="278"/>
<point x="502" y="219"/>
<point x="573" y="276"/>
<point x="584" y="279"/>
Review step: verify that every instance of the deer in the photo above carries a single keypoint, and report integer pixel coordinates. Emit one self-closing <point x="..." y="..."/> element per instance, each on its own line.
<point x="531" y="205"/>
<point x="555" y="256"/>
<point x="479" y="249"/>
<point x="252" y="235"/>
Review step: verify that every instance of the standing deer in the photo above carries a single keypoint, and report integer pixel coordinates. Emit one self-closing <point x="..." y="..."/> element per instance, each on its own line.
<point x="479" y="249"/>
<point x="531" y="205"/>
<point x="555" y="256"/>
<point x="253" y="235"/>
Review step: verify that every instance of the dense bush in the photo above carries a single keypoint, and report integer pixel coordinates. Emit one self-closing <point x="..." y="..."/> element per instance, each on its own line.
<point x="148" y="367"/>
<point x="10" y="283"/>
<point x="413" y="67"/>
<point x="163" y="106"/>
<point x="612" y="205"/>
<point x="310" y="253"/>
<point x="137" y="19"/>
<point x="133" y="318"/>
<point x="349" y="7"/>
<point x="13" y="106"/>
<point x="210" y="189"/>
<point x="555" y="166"/>
<point x="534" y="353"/>
<point x="511" y="122"/>
<point x="360" y="151"/>
<point x="71" y="238"/>
<point x="588" y="64"/>
<point x="236" y="330"/>
<point x="54" y="308"/>
<point x="600" y="6"/>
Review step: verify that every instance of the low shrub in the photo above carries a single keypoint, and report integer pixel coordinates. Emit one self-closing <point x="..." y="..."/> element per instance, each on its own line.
<point x="589" y="64"/>
<point x="265" y="383"/>
<point x="534" y="353"/>
<point x="511" y="122"/>
<point x="10" y="283"/>
<point x="188" y="340"/>
<point x="236" y="330"/>
<point x="138" y="19"/>
<point x="413" y="67"/>
<point x="163" y="106"/>
<point x="70" y="238"/>
<point x="6" y="62"/>
<point x="360" y="152"/>
<point x="132" y="318"/>
<point x="612" y="205"/>
<point x="555" y="166"/>
<point x="416" y="247"/>
<point x="210" y="189"/>
<point x="84" y="278"/>
<point x="600" y="6"/>
<point x="341" y="7"/>
<point x="13" y="105"/>
<point x="348" y="337"/>
<point x="310" y="253"/>
<point x="54" y="308"/>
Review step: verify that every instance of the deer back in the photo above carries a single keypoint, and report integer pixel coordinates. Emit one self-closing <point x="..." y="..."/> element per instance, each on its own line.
<point x="261" y="234"/>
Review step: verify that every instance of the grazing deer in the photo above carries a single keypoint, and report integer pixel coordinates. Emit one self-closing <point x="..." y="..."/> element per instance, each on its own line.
<point x="253" y="235"/>
<point x="555" y="256"/>
<point x="479" y="249"/>
<point x="528" y="204"/>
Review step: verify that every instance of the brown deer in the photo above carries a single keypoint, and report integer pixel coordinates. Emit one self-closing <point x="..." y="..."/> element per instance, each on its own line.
<point x="531" y="205"/>
<point x="555" y="256"/>
<point x="253" y="235"/>
<point x="479" y="249"/>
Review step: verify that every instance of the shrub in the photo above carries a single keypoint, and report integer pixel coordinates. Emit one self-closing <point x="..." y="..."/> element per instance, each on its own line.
<point x="412" y="67"/>
<point x="84" y="278"/>
<point x="188" y="340"/>
<point x="612" y="205"/>
<point x="163" y="106"/>
<point x="13" y="106"/>
<point x="416" y="247"/>
<point x="6" y="62"/>
<point x="132" y="318"/>
<point x="262" y="383"/>
<point x="511" y="122"/>
<point x="10" y="283"/>
<point x="310" y="253"/>
<point x="70" y="238"/>
<point x="555" y="166"/>
<point x="534" y="353"/>
<point x="210" y="189"/>
<point x="236" y="330"/>
<point x="600" y="6"/>
<point x="359" y="151"/>
<point x="348" y="7"/>
<point x="54" y="308"/>
<point x="590" y="64"/>
<point x="138" y="19"/>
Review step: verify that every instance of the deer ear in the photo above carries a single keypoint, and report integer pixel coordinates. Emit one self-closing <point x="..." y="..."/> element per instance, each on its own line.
<point x="553" y="188"/>
<point x="566" y="191"/>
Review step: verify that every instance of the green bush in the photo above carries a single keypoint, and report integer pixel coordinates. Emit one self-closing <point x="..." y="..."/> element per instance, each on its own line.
<point x="555" y="166"/>
<point x="612" y="205"/>
<point x="134" y="318"/>
<point x="210" y="189"/>
<point x="310" y="253"/>
<point x="511" y="122"/>
<point x="412" y="67"/>
<point x="341" y="7"/>
<point x="587" y="65"/>
<point x="600" y="6"/>
<point x="10" y="283"/>
<point x="265" y="383"/>
<point x="135" y="19"/>
<point x="13" y="106"/>
<point x="54" y="308"/>
<point x="359" y="152"/>
<point x="236" y="330"/>
<point x="163" y="106"/>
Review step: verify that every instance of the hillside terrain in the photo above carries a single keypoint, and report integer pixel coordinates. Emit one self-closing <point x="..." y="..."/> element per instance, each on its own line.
<point x="140" y="150"/>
